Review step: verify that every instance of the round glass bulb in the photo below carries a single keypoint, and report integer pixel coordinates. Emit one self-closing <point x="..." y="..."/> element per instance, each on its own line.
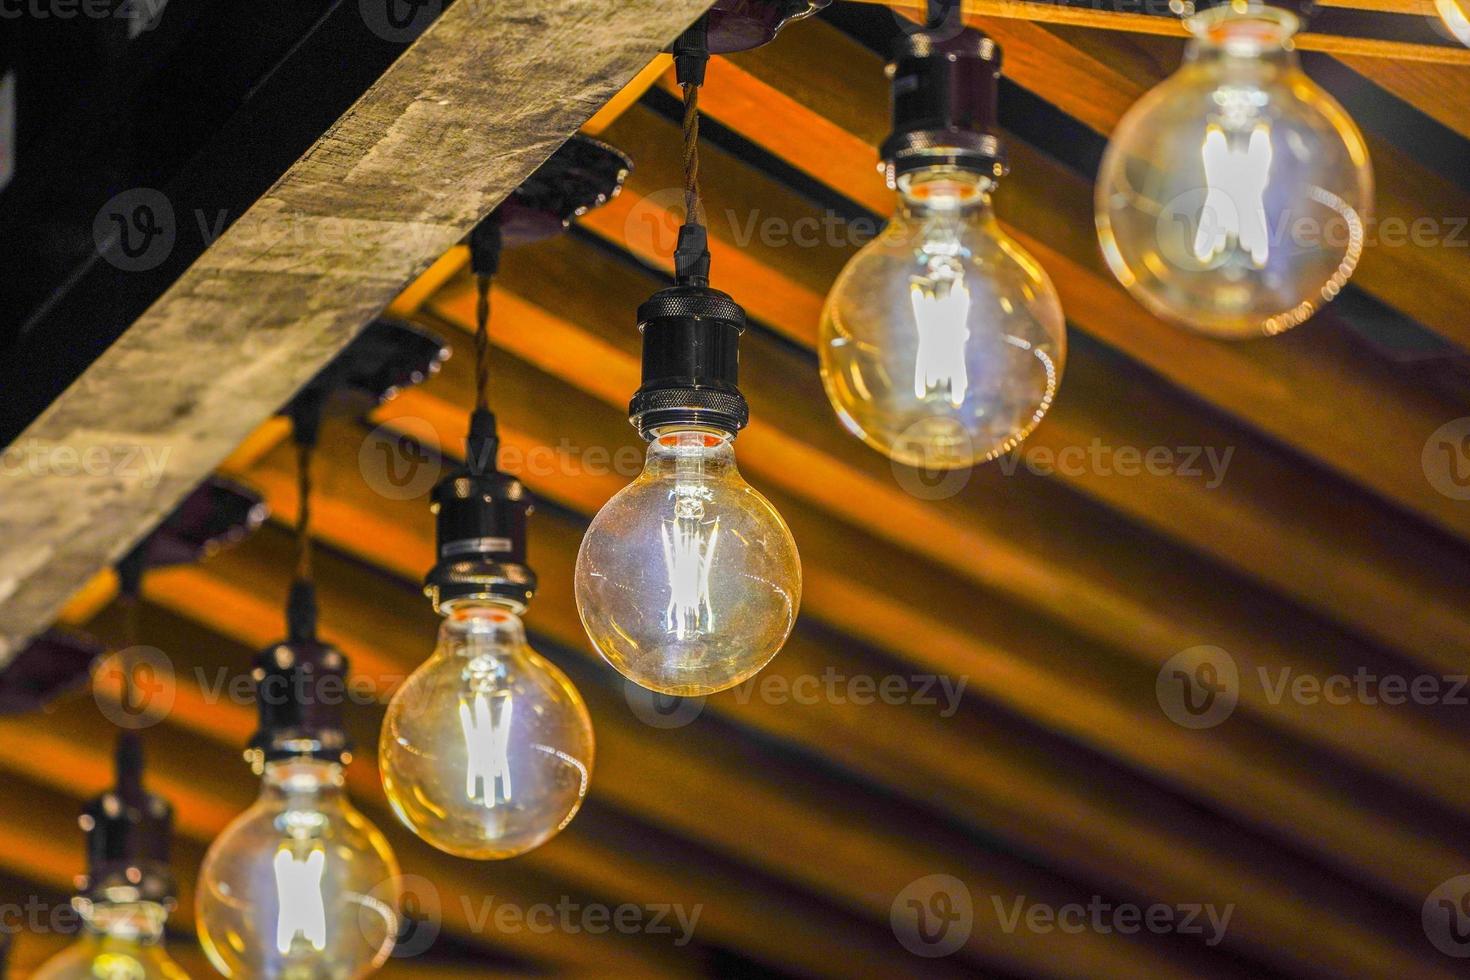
<point x="487" y="748"/>
<point x="1233" y="197"/>
<point x="1456" y="17"/>
<point x="688" y="581"/>
<point x="300" y="885"/>
<point x="942" y="341"/>
<point x="121" y="941"/>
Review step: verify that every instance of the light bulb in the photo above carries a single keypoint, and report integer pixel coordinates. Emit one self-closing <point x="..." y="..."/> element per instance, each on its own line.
<point x="121" y="940"/>
<point x="1233" y="198"/>
<point x="942" y="341"/>
<point x="300" y="885"/>
<point x="487" y="748"/>
<point x="1456" y="17"/>
<point x="688" y="581"/>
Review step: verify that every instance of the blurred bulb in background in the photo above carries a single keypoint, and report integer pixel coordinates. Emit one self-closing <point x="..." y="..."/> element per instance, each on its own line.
<point x="1456" y="17"/>
<point x="487" y="748"/>
<point x="121" y="940"/>
<point x="1233" y="198"/>
<point x="127" y="892"/>
<point x="300" y="884"/>
<point x="688" y="581"/>
<point x="942" y="341"/>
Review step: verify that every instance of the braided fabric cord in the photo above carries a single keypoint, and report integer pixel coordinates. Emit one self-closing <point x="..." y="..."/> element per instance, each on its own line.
<point x="693" y="206"/>
<point x="482" y="341"/>
<point x="303" y="512"/>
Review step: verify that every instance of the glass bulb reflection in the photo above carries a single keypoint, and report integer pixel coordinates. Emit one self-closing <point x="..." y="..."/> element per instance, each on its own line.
<point x="1233" y="198"/>
<point x="487" y="748"/>
<point x="299" y="885"/>
<point x="120" y="941"/>
<point x="1456" y="17"/>
<point x="688" y="581"/>
<point x="942" y="342"/>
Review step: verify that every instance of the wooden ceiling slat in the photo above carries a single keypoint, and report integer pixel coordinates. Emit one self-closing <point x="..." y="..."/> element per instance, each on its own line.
<point x="1426" y="283"/>
<point x="1099" y="835"/>
<point x="736" y="912"/>
<point x="1019" y="677"/>
<point x="991" y="493"/>
<point x="1317" y="389"/>
<point x="208" y="785"/>
<point x="867" y="856"/>
<point x="1101" y="18"/>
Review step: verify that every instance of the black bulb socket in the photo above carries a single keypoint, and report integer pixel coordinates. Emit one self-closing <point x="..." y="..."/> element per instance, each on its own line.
<point x="480" y="529"/>
<point x="128" y="831"/>
<point x="691" y="361"/>
<point x="945" y="90"/>
<point x="300" y="685"/>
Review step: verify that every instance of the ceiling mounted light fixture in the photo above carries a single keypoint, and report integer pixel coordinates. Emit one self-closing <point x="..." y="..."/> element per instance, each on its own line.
<point x="301" y="883"/>
<point x="1234" y="197"/>
<point x="942" y="341"/>
<point x="487" y="748"/>
<point x="688" y="581"/>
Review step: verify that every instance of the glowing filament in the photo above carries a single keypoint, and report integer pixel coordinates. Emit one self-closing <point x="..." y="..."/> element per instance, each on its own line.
<point x="299" y="897"/>
<point x="939" y="317"/>
<point x="1235" y="195"/>
<point x="487" y="742"/>
<point x="689" y="553"/>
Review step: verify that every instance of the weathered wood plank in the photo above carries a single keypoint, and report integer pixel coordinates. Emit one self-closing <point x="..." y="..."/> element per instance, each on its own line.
<point x="484" y="96"/>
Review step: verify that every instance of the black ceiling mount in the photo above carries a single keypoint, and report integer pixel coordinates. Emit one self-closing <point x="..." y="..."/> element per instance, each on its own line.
<point x="388" y="356"/>
<point x="739" y="25"/>
<point x="217" y="514"/>
<point x="56" y="662"/>
<point x="582" y="174"/>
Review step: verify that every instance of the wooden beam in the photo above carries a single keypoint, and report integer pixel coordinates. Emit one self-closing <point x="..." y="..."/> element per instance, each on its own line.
<point x="403" y="176"/>
<point x="1099" y="18"/>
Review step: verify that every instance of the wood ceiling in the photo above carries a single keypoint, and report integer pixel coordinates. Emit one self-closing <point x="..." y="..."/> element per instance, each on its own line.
<point x="1324" y="548"/>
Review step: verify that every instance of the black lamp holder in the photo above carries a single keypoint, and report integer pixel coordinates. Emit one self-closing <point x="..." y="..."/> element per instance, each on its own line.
<point x="481" y="513"/>
<point x="691" y="332"/>
<point x="128" y="832"/>
<point x="945" y="87"/>
<point x="739" y="25"/>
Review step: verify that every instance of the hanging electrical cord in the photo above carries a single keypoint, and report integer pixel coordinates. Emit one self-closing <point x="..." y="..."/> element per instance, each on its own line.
<point x="301" y="609"/>
<point x="484" y="443"/>
<point x="129" y="594"/>
<point x="691" y="255"/>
